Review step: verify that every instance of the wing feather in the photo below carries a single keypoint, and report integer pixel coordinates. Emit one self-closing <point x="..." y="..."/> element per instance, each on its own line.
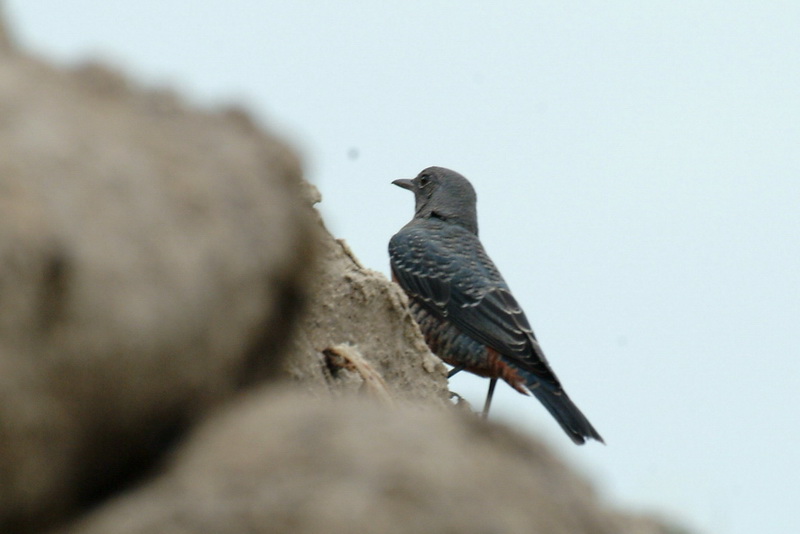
<point x="447" y="269"/>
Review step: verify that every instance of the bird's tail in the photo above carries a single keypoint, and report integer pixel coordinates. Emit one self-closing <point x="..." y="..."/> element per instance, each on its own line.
<point x="571" y="419"/>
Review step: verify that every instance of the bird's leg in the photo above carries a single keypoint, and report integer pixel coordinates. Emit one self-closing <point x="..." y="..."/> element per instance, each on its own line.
<point x="455" y="370"/>
<point x="488" y="403"/>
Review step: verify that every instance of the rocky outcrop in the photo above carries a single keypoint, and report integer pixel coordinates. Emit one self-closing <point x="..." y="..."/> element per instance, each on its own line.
<point x="160" y="267"/>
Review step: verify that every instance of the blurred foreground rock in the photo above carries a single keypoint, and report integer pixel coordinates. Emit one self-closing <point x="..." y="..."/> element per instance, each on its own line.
<point x="152" y="259"/>
<point x="158" y="265"/>
<point x="281" y="461"/>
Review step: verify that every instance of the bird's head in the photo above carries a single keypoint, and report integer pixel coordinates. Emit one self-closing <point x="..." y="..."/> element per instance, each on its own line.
<point x="443" y="194"/>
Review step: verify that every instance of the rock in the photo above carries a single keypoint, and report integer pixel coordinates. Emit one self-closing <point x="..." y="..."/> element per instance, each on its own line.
<point x="152" y="260"/>
<point x="283" y="462"/>
<point x="366" y="316"/>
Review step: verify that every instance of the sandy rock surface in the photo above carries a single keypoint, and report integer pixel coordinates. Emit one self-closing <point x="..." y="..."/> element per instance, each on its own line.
<point x="357" y="334"/>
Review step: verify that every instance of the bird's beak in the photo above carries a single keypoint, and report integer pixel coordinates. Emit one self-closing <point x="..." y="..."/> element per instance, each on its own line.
<point x="405" y="183"/>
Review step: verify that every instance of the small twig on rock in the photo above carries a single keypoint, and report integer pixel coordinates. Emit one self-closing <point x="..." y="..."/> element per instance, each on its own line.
<point x="348" y="357"/>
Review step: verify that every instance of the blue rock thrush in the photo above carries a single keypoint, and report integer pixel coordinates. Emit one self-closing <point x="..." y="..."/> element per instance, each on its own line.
<point x="463" y="306"/>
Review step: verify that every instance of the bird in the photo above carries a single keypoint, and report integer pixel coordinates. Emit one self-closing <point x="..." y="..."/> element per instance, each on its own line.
<point x="463" y="306"/>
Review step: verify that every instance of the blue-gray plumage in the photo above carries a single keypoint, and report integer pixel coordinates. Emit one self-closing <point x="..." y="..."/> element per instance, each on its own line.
<point x="464" y="308"/>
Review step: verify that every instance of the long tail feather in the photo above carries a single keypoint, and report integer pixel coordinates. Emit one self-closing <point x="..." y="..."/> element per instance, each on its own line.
<point x="571" y="419"/>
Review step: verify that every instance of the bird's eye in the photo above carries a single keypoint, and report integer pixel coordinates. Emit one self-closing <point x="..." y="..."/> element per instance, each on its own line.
<point x="424" y="180"/>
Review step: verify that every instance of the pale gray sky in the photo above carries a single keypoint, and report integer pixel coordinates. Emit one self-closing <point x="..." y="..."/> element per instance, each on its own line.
<point x="638" y="175"/>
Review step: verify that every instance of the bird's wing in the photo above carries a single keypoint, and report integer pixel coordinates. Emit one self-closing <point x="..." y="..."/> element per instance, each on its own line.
<point x="450" y="273"/>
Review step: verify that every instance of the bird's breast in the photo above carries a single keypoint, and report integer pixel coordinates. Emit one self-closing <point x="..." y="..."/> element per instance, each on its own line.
<point x="458" y="349"/>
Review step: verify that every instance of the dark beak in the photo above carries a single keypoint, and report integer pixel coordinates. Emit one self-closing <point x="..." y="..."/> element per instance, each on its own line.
<point x="405" y="183"/>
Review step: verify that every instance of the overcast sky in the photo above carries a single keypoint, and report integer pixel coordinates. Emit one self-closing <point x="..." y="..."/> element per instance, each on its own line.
<point x="638" y="174"/>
